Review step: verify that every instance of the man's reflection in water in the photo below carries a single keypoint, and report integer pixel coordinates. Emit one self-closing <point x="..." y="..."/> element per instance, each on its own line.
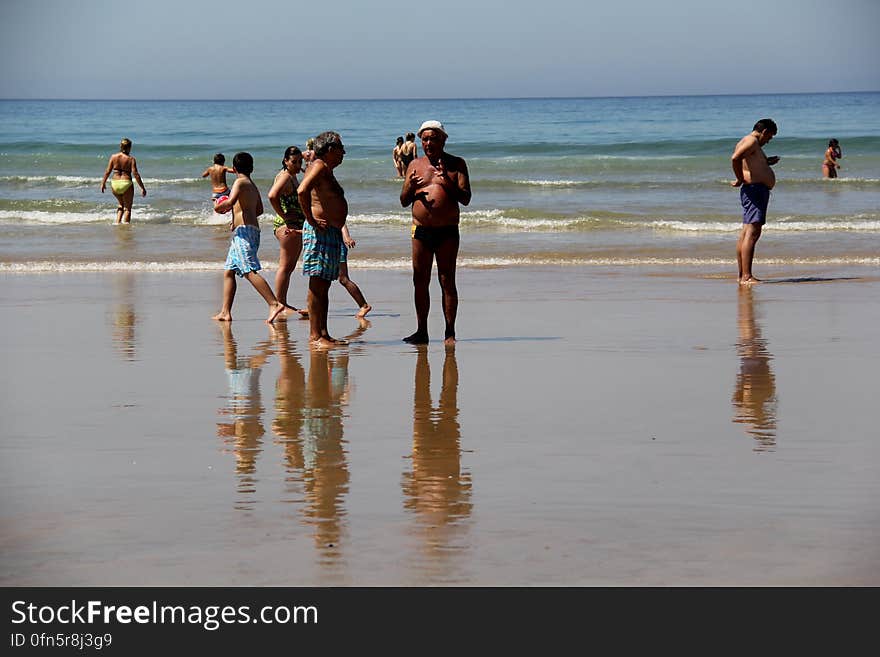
<point x="243" y="430"/>
<point x="436" y="489"/>
<point x="123" y="315"/>
<point x="310" y="422"/>
<point x="290" y="394"/>
<point x="754" y="398"/>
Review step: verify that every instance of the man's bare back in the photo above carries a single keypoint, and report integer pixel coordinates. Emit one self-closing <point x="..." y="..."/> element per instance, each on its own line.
<point x="246" y="203"/>
<point x="217" y="174"/>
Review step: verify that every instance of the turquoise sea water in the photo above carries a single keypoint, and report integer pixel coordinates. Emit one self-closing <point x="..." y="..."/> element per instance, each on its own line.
<point x="615" y="181"/>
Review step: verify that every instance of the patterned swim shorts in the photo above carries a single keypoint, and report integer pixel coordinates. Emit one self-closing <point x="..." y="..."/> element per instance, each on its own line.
<point x="242" y="256"/>
<point x="321" y="252"/>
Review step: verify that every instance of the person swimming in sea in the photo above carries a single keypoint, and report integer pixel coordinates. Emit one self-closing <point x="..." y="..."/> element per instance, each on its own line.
<point x="124" y="167"/>
<point x="830" y="165"/>
<point x="217" y="172"/>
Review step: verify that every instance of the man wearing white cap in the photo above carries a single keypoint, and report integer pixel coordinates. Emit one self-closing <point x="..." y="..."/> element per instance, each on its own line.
<point x="435" y="184"/>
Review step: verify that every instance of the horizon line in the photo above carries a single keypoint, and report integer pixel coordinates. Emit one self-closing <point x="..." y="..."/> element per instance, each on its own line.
<point x="333" y="100"/>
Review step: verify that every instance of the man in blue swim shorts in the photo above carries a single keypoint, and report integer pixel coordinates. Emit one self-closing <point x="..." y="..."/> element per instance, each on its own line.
<point x="323" y="203"/>
<point x="755" y="177"/>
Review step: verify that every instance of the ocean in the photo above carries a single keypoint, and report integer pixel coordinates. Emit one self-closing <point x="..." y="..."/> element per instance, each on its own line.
<point x="575" y="181"/>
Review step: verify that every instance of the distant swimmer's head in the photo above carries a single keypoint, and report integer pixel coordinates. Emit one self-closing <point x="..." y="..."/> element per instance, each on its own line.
<point x="125" y="145"/>
<point x="399" y="141"/>
<point x="310" y="144"/>
<point x="243" y="163"/>
<point x="219" y="158"/>
<point x="291" y="155"/>
<point x="410" y="136"/>
<point x="833" y="143"/>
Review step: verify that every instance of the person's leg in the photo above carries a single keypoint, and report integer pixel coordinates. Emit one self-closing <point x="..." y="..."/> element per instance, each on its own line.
<point x="261" y="286"/>
<point x="127" y="202"/>
<point x="422" y="262"/>
<point x="353" y="290"/>
<point x="318" y="305"/>
<point x="749" y="238"/>
<point x="447" y="254"/>
<point x="739" y="255"/>
<point x="229" y="287"/>
<point x="120" y="207"/>
<point x="290" y="248"/>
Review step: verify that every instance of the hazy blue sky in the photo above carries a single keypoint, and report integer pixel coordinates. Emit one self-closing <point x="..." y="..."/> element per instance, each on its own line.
<point x="458" y="48"/>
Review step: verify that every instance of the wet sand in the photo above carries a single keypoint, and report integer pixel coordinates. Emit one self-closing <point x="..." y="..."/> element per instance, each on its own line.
<point x="592" y="427"/>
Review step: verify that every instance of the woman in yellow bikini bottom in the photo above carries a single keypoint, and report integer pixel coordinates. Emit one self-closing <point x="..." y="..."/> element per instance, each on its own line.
<point x="120" y="185"/>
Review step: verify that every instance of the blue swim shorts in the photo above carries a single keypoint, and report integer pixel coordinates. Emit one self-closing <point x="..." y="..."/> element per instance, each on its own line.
<point x="322" y="250"/>
<point x="242" y="256"/>
<point x="755" y="198"/>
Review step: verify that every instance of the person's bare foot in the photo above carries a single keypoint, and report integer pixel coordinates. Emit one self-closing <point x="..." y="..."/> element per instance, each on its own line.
<point x="274" y="311"/>
<point x="449" y="341"/>
<point x="223" y="317"/>
<point x="751" y="280"/>
<point x="417" y="338"/>
<point x="302" y="313"/>
<point x="363" y="311"/>
<point x="323" y="343"/>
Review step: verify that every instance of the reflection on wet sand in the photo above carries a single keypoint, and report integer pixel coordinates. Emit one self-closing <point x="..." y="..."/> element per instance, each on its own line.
<point x="309" y="416"/>
<point x="123" y="315"/>
<point x="436" y="490"/>
<point x="754" y="397"/>
<point x="243" y="429"/>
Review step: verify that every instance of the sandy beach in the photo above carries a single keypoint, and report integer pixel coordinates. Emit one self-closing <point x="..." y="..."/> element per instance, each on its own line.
<point x="593" y="426"/>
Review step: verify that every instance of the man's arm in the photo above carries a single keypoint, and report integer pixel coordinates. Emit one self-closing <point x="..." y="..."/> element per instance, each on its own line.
<point x="207" y="172"/>
<point x="304" y="192"/>
<point x="743" y="148"/>
<point x="464" y="183"/>
<point x="408" y="192"/>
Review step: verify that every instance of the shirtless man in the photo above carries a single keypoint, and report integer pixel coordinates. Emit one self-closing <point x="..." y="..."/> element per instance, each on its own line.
<point x="434" y="185"/>
<point x="323" y="203"/>
<point x="217" y="173"/>
<point x="755" y="178"/>
<point x="246" y="205"/>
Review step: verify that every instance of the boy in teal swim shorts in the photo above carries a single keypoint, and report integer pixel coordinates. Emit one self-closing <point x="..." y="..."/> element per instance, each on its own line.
<point x="246" y="204"/>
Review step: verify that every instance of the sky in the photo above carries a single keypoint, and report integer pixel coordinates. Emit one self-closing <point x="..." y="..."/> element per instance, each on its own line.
<point x="346" y="49"/>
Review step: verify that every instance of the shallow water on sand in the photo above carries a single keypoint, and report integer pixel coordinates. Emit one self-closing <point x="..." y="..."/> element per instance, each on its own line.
<point x="592" y="426"/>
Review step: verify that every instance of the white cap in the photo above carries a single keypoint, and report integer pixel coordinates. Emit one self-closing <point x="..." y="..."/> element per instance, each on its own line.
<point x="432" y="125"/>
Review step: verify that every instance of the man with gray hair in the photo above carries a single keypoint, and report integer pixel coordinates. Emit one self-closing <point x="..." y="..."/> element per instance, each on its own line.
<point x="435" y="184"/>
<point x="323" y="203"/>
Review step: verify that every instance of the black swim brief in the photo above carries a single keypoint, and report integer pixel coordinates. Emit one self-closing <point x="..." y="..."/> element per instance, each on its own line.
<point x="433" y="236"/>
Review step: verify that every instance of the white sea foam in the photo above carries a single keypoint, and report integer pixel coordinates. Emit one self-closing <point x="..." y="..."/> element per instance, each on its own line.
<point x="554" y="183"/>
<point x="47" y="267"/>
<point x="785" y="224"/>
<point x="40" y="217"/>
